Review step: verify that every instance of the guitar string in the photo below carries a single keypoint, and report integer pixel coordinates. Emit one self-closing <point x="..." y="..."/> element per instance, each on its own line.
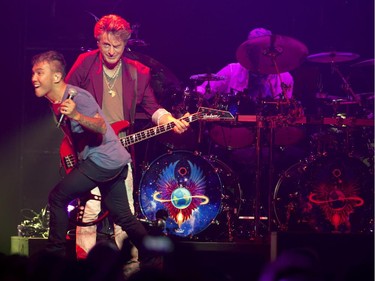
<point x="134" y="138"/>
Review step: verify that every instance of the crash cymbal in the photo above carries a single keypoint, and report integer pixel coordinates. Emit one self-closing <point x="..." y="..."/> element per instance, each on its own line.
<point x="271" y="54"/>
<point x="163" y="80"/>
<point x="369" y="62"/>
<point x="332" y="57"/>
<point x="154" y="65"/>
<point x="137" y="43"/>
<point x="207" y="77"/>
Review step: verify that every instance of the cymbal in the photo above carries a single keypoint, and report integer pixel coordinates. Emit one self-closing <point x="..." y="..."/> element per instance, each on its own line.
<point x="331" y="57"/>
<point x="153" y="64"/>
<point x="325" y="96"/>
<point x="271" y="54"/>
<point x="369" y="62"/>
<point x="137" y="43"/>
<point x="162" y="78"/>
<point x="366" y="96"/>
<point x="207" y="77"/>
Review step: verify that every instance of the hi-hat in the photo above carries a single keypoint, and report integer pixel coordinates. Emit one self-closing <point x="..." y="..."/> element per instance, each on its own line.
<point x="207" y="77"/>
<point x="271" y="54"/>
<point x="332" y="57"/>
<point x="369" y="62"/>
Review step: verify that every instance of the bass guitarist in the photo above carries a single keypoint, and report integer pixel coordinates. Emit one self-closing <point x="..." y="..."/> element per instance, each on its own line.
<point x="119" y="85"/>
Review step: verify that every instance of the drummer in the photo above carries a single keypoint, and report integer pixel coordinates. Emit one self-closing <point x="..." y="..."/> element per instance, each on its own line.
<point x="238" y="79"/>
<point x="234" y="80"/>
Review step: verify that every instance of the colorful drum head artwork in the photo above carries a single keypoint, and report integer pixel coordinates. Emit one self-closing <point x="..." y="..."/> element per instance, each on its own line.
<point x="186" y="187"/>
<point x="332" y="194"/>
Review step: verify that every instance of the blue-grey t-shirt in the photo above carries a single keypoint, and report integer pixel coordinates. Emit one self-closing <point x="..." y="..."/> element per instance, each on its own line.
<point x="105" y="150"/>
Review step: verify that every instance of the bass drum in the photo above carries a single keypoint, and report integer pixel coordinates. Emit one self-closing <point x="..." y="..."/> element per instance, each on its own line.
<point x="189" y="192"/>
<point x="330" y="194"/>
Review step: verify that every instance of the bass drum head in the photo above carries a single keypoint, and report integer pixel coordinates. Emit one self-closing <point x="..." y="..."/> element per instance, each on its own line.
<point x="223" y="227"/>
<point x="185" y="189"/>
<point x="331" y="194"/>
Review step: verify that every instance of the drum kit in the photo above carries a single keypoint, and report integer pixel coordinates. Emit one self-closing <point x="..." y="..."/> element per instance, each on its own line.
<point x="330" y="190"/>
<point x="195" y="195"/>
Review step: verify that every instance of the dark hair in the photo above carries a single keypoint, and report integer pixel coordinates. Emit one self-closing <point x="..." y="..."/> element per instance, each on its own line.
<point x="54" y="58"/>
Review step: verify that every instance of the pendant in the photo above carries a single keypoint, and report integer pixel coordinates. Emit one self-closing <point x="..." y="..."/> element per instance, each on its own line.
<point x="112" y="93"/>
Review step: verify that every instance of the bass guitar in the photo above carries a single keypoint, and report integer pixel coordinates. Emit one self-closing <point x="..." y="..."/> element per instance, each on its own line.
<point x="69" y="158"/>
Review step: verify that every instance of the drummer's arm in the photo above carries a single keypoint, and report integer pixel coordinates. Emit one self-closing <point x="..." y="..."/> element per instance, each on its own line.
<point x="289" y="82"/>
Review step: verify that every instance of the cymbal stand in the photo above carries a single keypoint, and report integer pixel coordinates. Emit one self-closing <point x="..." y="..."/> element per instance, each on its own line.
<point x="187" y="97"/>
<point x="272" y="125"/>
<point x="259" y="126"/>
<point x="273" y="52"/>
<point x="347" y="86"/>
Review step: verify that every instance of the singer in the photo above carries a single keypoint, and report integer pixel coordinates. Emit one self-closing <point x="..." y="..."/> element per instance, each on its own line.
<point x="102" y="161"/>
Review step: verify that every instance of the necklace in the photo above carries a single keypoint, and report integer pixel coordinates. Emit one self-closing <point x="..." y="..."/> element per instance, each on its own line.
<point x="111" y="81"/>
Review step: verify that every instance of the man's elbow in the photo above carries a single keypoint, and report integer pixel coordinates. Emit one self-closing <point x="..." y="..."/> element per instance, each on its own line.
<point x="103" y="128"/>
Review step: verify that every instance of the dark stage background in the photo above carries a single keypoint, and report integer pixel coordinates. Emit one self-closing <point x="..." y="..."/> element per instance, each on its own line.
<point x="184" y="37"/>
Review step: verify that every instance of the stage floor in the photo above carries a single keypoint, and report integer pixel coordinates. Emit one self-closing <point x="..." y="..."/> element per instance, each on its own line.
<point x="341" y="256"/>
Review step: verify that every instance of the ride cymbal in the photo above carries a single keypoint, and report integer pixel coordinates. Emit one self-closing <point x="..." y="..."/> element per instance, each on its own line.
<point x="271" y="54"/>
<point x="332" y="57"/>
<point x="369" y="62"/>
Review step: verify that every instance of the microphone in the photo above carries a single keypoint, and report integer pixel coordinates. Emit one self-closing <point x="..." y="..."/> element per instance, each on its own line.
<point x="71" y="93"/>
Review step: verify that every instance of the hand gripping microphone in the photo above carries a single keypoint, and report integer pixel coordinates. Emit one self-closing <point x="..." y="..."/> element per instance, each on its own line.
<point x="71" y="93"/>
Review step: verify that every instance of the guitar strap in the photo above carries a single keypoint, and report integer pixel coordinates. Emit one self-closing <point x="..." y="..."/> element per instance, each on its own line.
<point x="133" y="73"/>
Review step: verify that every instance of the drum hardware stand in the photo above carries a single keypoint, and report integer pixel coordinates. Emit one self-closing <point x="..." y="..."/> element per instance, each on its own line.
<point x="347" y="88"/>
<point x="201" y="123"/>
<point x="259" y="126"/>
<point x="273" y="52"/>
<point x="230" y="230"/>
<point x="187" y="96"/>
<point x="272" y="125"/>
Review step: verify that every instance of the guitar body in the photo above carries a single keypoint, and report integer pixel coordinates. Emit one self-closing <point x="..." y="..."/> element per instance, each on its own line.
<point x="119" y="126"/>
<point x="69" y="157"/>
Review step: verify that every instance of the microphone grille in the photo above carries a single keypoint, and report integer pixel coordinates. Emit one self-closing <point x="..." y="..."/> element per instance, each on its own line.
<point x="72" y="92"/>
